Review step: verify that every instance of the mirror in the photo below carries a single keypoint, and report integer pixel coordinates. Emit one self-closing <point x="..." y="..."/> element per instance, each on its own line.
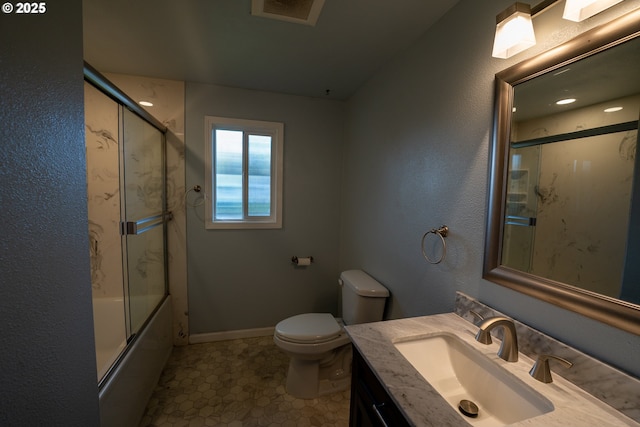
<point x="564" y="197"/>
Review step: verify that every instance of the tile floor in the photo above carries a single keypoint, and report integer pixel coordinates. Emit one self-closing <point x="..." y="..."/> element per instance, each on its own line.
<point x="236" y="383"/>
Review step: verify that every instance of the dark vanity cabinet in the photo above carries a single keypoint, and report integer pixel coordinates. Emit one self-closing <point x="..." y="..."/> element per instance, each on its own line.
<point x="371" y="405"/>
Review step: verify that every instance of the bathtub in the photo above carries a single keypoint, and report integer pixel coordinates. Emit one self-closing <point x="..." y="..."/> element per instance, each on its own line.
<point x="110" y="332"/>
<point x="128" y="385"/>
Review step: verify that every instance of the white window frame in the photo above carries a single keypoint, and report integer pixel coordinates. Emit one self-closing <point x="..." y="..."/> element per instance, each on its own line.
<point x="276" y="131"/>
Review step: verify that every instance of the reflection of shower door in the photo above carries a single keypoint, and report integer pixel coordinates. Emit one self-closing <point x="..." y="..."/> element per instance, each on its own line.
<point x="577" y="239"/>
<point x="143" y="209"/>
<point x="521" y="208"/>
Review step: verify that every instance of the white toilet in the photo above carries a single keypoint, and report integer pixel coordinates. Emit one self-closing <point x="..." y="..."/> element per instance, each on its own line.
<point x="319" y="348"/>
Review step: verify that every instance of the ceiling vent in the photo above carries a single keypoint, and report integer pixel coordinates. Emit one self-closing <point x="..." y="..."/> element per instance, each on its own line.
<point x="297" y="11"/>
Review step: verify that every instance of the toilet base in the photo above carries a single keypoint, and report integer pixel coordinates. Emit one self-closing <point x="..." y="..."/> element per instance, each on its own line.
<point x="308" y="379"/>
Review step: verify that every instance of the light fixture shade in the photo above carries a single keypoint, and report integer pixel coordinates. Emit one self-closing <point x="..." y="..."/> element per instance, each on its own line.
<point x="514" y="31"/>
<point x="579" y="10"/>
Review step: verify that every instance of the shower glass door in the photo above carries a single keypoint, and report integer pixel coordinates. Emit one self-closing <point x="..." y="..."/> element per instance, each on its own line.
<point x="102" y="119"/>
<point x="144" y="224"/>
<point x="126" y="189"/>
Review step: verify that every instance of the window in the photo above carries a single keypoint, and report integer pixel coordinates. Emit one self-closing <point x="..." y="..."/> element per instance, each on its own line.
<point x="243" y="173"/>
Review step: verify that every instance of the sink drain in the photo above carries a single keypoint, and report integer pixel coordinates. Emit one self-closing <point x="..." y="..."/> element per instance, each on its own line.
<point x="468" y="408"/>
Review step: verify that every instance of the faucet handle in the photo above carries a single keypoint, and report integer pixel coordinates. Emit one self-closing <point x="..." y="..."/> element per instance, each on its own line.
<point x="540" y="369"/>
<point x="484" y="337"/>
<point x="477" y="315"/>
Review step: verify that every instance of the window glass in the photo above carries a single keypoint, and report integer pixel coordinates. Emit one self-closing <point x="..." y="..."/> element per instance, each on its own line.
<point x="259" y="188"/>
<point x="228" y="177"/>
<point x="243" y="173"/>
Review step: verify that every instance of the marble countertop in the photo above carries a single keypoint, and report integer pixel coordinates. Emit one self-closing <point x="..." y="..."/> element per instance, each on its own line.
<point x="423" y="406"/>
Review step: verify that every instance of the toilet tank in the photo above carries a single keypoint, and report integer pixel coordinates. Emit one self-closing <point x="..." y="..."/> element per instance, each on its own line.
<point x="363" y="297"/>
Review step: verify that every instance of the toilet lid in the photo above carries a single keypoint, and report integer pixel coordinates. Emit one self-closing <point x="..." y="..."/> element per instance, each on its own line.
<point x="309" y="327"/>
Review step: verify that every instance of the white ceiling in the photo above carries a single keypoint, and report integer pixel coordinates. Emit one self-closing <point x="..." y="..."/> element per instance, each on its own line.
<point x="219" y="42"/>
<point x="610" y="75"/>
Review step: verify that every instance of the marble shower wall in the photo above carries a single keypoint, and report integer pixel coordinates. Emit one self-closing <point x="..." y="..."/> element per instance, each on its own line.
<point x="167" y="97"/>
<point x="103" y="192"/>
<point x="578" y="239"/>
<point x="142" y="159"/>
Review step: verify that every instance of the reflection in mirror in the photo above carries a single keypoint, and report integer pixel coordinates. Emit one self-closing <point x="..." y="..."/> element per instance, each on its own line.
<point x="563" y="222"/>
<point x="571" y="169"/>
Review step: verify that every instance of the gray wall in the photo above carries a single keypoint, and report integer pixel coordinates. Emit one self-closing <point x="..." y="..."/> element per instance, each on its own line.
<point x="48" y="372"/>
<point x="417" y="144"/>
<point x="244" y="279"/>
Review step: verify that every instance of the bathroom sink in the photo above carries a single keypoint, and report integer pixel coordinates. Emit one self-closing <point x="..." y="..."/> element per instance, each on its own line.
<point x="461" y="373"/>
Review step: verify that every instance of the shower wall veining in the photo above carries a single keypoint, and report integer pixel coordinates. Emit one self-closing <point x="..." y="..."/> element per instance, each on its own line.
<point x="168" y="107"/>
<point x="105" y="243"/>
<point x="565" y="196"/>
<point x="103" y="184"/>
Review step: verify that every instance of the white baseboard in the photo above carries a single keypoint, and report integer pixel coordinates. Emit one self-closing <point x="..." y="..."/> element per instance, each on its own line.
<point x="230" y="335"/>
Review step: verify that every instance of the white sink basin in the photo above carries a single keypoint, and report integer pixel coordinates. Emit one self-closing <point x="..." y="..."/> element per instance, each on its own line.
<point x="459" y="372"/>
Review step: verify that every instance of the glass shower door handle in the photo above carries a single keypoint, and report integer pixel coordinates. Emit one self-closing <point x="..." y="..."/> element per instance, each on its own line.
<point x="145" y="224"/>
<point x="145" y="267"/>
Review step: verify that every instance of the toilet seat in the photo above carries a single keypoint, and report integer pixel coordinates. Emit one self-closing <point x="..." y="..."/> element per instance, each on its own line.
<point x="309" y="328"/>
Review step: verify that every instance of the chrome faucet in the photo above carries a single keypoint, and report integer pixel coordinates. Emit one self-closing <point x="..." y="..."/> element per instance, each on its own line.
<point x="509" y="346"/>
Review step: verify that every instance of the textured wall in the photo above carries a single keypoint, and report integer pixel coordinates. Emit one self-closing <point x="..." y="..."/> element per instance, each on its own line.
<point x="243" y="279"/>
<point x="417" y="144"/>
<point x="48" y="373"/>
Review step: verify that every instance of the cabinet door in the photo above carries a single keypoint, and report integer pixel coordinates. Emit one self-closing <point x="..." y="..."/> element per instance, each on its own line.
<point x="371" y="405"/>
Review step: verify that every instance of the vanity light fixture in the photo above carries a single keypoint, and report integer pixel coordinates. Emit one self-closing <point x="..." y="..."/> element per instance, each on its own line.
<point x="514" y="25"/>
<point x="579" y="10"/>
<point x="514" y="31"/>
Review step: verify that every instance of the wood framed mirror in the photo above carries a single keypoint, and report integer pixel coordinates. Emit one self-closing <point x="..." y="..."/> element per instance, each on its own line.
<point x="555" y="229"/>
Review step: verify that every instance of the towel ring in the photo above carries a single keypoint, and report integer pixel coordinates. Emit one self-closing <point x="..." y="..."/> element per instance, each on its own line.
<point x="442" y="233"/>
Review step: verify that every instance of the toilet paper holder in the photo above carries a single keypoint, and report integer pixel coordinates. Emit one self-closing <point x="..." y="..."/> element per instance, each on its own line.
<point x="302" y="260"/>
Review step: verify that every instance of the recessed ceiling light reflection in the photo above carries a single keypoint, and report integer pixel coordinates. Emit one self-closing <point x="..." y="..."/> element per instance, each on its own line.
<point x="566" y="101"/>
<point x="146" y="103"/>
<point x="612" y="109"/>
